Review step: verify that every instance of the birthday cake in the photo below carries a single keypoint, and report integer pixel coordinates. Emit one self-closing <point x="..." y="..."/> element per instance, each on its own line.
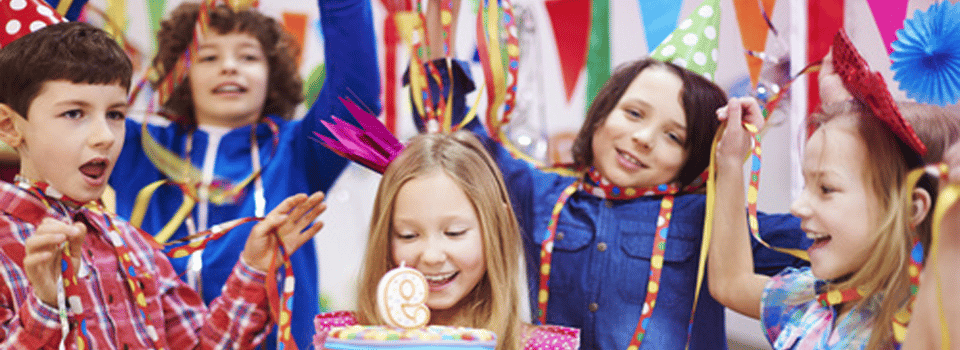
<point x="429" y="337"/>
<point x="400" y="303"/>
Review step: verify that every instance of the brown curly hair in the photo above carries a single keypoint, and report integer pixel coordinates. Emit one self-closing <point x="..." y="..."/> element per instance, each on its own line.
<point x="176" y="33"/>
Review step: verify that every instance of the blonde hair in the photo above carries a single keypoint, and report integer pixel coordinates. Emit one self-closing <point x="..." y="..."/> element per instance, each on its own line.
<point x="885" y="275"/>
<point x="495" y="302"/>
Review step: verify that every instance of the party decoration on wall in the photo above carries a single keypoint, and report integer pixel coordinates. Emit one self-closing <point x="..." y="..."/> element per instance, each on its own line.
<point x="117" y="13"/>
<point x="69" y="9"/>
<point x="598" y="58"/>
<point x="296" y="24"/>
<point x="570" y="20"/>
<point x="753" y="30"/>
<point x="313" y="84"/>
<point x="926" y="55"/>
<point x="693" y="44"/>
<point x="659" y="19"/>
<point x="889" y="16"/>
<point x="824" y="18"/>
<point x="401" y="295"/>
<point x="155" y="13"/>
<point x="391" y="40"/>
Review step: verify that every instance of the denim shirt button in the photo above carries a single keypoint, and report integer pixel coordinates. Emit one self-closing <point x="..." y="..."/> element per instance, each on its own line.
<point x="602" y="246"/>
<point x="559" y="236"/>
<point x="593" y="307"/>
<point x="608" y="203"/>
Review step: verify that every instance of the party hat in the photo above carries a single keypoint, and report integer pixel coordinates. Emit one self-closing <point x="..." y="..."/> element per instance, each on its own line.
<point x="693" y="45"/>
<point x="22" y="17"/>
<point x="868" y="87"/>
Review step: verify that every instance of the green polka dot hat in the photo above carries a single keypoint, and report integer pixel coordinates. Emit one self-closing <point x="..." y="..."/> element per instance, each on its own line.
<point x="693" y="45"/>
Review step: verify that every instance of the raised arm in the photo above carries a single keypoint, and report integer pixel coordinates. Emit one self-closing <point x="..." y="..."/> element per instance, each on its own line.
<point x="730" y="259"/>
<point x="352" y="71"/>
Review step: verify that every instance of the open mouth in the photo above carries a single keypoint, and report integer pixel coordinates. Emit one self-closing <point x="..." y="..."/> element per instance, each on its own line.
<point x="94" y="169"/>
<point x="819" y="240"/>
<point x="441" y="279"/>
<point x="630" y="159"/>
<point x="229" y="88"/>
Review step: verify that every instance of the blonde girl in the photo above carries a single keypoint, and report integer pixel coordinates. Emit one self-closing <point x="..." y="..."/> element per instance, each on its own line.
<point x="442" y="208"/>
<point x="855" y="208"/>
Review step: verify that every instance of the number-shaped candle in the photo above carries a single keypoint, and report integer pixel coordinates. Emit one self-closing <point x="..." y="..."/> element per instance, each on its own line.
<point x="401" y="294"/>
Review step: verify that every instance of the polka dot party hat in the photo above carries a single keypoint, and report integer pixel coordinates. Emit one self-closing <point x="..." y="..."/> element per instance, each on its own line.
<point x="693" y="45"/>
<point x="22" y="17"/>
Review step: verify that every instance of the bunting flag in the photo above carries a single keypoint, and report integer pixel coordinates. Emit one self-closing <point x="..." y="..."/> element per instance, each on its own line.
<point x="155" y="12"/>
<point x="824" y="19"/>
<point x="889" y="16"/>
<point x="117" y="15"/>
<point x="69" y="9"/>
<point x="659" y="18"/>
<point x="570" y="20"/>
<point x="598" y="59"/>
<point x="296" y="24"/>
<point x="753" y="31"/>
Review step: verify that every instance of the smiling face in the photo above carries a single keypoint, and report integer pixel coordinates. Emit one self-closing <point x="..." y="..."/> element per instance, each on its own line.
<point x="837" y="207"/>
<point x="72" y="137"/>
<point x="228" y="80"/>
<point x="641" y="141"/>
<point x="436" y="231"/>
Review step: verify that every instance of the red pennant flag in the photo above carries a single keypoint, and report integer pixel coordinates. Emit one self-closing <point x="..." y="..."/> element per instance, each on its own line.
<point x="571" y="26"/>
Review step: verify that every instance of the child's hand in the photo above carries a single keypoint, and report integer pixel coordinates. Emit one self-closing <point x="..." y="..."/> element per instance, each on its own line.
<point x="735" y="142"/>
<point x="288" y="220"/>
<point x="43" y="249"/>
<point x="830" y="84"/>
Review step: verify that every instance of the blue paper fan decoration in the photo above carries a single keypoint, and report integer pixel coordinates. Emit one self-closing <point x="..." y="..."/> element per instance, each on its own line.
<point x="926" y="55"/>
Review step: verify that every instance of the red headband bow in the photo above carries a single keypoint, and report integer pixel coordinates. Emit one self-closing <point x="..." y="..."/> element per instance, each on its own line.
<point x="868" y="87"/>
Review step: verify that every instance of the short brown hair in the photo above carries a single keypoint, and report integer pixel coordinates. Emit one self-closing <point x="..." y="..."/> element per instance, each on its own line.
<point x="285" y="87"/>
<point x="701" y="98"/>
<point x="76" y="52"/>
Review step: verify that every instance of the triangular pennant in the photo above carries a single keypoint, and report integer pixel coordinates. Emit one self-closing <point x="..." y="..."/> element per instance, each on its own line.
<point x="571" y="23"/>
<point x="659" y="19"/>
<point x="753" y="31"/>
<point x="889" y="16"/>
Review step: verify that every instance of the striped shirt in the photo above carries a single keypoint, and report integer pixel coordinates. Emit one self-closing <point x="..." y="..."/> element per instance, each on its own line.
<point x="111" y="318"/>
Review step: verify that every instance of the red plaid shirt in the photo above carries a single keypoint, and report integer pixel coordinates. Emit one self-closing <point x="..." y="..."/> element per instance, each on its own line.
<point x="112" y="320"/>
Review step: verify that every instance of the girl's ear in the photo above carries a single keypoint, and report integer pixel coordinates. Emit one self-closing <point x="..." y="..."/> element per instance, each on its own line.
<point x="921" y="206"/>
<point x="9" y="132"/>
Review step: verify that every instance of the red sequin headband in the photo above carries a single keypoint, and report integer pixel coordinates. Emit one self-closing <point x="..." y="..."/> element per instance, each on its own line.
<point x="869" y="88"/>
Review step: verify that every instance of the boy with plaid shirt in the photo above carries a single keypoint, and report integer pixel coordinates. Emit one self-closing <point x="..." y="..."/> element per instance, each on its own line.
<point x="75" y="276"/>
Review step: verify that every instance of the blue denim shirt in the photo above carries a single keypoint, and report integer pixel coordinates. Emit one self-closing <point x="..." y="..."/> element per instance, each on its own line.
<point x="297" y="165"/>
<point x="601" y="255"/>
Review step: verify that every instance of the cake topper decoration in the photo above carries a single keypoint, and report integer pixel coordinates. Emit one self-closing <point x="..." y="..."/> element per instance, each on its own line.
<point x="401" y="294"/>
